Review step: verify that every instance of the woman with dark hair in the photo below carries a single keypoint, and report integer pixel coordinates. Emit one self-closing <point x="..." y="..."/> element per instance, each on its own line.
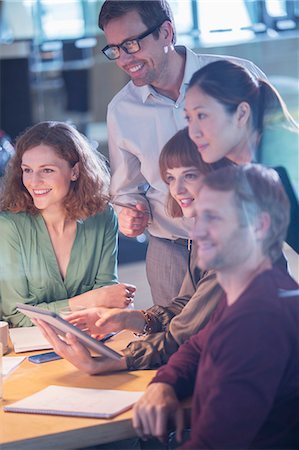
<point x="232" y="114"/>
<point x="58" y="233"/>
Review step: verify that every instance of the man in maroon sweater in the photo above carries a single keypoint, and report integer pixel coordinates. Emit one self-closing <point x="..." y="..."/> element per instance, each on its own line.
<point x="246" y="387"/>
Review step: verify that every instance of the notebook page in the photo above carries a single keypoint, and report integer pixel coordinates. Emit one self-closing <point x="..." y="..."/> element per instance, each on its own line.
<point x="72" y="401"/>
<point x="26" y="339"/>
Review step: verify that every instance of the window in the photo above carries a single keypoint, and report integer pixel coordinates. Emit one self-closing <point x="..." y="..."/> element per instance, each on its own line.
<point x="61" y="19"/>
<point x="276" y="8"/>
<point x="206" y="21"/>
<point x="16" y="22"/>
<point x="279" y="14"/>
<point x="44" y="20"/>
<point x="182" y="11"/>
<point x="219" y="21"/>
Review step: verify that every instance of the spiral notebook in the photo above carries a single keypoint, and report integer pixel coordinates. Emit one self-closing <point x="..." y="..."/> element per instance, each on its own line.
<point x="73" y="401"/>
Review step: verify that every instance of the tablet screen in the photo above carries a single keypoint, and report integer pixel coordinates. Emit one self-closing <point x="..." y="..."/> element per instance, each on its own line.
<point x="61" y="327"/>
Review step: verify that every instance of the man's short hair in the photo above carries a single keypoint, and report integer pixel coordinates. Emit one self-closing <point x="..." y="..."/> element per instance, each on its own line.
<point x="256" y="189"/>
<point x="152" y="12"/>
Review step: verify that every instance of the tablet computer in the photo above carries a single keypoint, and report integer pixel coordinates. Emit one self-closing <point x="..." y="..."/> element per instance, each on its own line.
<point x="61" y="327"/>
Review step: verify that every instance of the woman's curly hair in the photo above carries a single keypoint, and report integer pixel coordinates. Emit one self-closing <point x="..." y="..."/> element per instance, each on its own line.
<point x="88" y="194"/>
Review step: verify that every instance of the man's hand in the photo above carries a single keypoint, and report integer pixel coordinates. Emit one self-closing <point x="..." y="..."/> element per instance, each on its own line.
<point x="133" y="222"/>
<point x="86" y="319"/>
<point x="156" y="410"/>
<point x="120" y="319"/>
<point x="100" y="321"/>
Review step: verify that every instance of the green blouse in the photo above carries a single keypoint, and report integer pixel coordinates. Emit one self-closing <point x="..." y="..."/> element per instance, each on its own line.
<point x="29" y="272"/>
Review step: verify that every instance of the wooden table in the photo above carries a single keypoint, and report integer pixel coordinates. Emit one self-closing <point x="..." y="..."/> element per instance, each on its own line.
<point x="37" y="431"/>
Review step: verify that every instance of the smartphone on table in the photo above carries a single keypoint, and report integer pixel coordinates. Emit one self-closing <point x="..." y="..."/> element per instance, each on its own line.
<point x="44" y="357"/>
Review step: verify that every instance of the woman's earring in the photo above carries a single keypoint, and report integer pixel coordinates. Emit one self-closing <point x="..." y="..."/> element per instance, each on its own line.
<point x="171" y="47"/>
<point x="165" y="48"/>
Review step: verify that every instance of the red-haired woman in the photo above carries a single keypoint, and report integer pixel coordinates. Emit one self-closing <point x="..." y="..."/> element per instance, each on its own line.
<point x="58" y="232"/>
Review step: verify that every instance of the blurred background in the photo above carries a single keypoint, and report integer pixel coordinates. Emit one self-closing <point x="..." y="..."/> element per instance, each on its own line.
<point x="52" y="68"/>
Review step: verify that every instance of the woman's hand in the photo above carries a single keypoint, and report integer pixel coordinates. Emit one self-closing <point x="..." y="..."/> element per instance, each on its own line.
<point x="156" y="410"/>
<point x="77" y="354"/>
<point x="114" y="296"/>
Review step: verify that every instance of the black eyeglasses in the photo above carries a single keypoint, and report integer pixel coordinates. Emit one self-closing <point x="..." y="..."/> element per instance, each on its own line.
<point x="129" y="46"/>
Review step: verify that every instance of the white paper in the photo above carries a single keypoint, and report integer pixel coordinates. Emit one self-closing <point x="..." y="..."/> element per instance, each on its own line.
<point x="73" y="401"/>
<point x="26" y="339"/>
<point x="10" y="363"/>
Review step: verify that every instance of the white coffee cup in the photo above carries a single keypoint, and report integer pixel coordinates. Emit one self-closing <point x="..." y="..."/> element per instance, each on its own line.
<point x="4" y="335"/>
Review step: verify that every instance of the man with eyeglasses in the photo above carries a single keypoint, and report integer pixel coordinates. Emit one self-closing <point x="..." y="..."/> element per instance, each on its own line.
<point x="141" y="118"/>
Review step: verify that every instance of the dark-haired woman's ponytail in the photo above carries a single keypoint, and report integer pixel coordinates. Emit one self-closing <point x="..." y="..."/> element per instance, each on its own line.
<point x="261" y="107"/>
<point x="273" y="108"/>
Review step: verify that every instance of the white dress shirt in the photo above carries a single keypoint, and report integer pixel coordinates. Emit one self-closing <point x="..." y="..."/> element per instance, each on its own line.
<point x="140" y="121"/>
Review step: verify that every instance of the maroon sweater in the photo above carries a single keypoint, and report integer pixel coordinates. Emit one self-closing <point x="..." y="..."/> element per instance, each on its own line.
<point x="246" y="388"/>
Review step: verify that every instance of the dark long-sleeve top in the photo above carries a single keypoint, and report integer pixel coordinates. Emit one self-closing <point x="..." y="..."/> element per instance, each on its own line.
<point x="246" y="388"/>
<point x="172" y="325"/>
<point x="187" y="314"/>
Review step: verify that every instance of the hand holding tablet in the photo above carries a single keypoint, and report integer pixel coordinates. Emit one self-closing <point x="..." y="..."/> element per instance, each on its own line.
<point x="60" y="327"/>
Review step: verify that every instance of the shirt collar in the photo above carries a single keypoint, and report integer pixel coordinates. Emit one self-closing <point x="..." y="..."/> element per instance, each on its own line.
<point x="145" y="92"/>
<point x="191" y="65"/>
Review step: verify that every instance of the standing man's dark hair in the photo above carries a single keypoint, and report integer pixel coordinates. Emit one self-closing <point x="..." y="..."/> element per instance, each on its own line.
<point x="150" y="11"/>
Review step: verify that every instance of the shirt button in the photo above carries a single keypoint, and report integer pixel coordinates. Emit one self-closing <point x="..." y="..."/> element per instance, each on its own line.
<point x="176" y="106"/>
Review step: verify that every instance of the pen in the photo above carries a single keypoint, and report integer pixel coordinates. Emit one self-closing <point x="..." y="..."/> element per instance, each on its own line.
<point x="107" y="337"/>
